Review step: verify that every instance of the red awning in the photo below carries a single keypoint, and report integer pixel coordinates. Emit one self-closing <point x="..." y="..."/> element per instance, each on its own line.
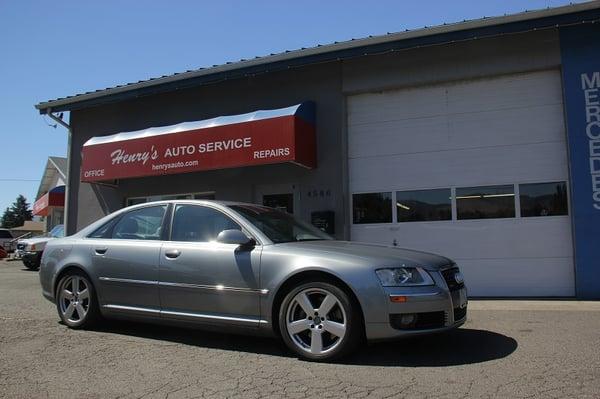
<point x="53" y="198"/>
<point x="258" y="138"/>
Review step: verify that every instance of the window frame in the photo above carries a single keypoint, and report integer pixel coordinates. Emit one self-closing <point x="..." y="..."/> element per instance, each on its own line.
<point x="512" y="194"/>
<point x="567" y="192"/>
<point x="392" y="212"/>
<point x="115" y="220"/>
<point x="451" y="199"/>
<point x="454" y="205"/>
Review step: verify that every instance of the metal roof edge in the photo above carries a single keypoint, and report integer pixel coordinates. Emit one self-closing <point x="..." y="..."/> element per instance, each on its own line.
<point x="50" y="164"/>
<point x="61" y="172"/>
<point x="62" y="104"/>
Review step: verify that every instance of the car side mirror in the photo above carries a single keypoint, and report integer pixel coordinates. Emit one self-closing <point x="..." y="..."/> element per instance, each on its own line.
<point x="236" y="237"/>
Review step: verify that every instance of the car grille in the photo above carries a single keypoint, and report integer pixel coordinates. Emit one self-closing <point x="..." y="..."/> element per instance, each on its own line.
<point x="422" y="321"/>
<point x="21" y="246"/>
<point x="448" y="275"/>
<point x="460" y="313"/>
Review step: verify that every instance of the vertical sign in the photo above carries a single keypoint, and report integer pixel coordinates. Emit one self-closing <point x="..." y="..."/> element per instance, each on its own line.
<point x="580" y="53"/>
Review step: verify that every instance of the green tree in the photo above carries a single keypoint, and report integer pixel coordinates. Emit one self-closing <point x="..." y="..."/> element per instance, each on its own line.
<point x="7" y="219"/>
<point x="17" y="214"/>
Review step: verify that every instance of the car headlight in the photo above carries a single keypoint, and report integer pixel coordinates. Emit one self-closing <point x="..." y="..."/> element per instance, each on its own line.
<point x="404" y="277"/>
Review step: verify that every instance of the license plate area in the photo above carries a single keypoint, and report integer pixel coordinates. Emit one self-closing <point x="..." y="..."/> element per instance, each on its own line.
<point x="459" y="298"/>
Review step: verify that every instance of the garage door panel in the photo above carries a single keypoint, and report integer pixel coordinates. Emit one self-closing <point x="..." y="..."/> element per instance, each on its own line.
<point x="483" y="166"/>
<point x="541" y="277"/>
<point x="515" y="91"/>
<point x="504" y="93"/>
<point x="476" y="239"/>
<point x="499" y="130"/>
<point x="389" y="106"/>
<point x="462" y="131"/>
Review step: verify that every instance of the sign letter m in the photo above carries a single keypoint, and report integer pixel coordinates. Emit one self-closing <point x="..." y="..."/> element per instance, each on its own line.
<point x="588" y="82"/>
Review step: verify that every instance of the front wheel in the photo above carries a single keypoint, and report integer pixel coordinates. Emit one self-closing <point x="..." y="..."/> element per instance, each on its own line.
<point x="33" y="264"/>
<point x="319" y="321"/>
<point x="76" y="301"/>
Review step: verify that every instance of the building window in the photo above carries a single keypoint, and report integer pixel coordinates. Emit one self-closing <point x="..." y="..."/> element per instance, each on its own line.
<point x="372" y="208"/>
<point x="423" y="205"/>
<point x="281" y="202"/>
<point x="543" y="199"/>
<point x="140" y="224"/>
<point x="485" y="202"/>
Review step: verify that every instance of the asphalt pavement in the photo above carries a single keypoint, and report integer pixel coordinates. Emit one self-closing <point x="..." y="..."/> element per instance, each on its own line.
<point x="507" y="349"/>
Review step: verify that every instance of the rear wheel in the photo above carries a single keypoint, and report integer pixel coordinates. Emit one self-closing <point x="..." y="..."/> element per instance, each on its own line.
<point x="76" y="301"/>
<point x="319" y="321"/>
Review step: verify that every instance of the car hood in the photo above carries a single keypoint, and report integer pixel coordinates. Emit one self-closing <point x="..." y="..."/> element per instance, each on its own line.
<point x="373" y="254"/>
<point x="36" y="241"/>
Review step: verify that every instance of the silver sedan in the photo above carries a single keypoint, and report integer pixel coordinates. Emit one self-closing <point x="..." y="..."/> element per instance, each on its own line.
<point x="252" y="269"/>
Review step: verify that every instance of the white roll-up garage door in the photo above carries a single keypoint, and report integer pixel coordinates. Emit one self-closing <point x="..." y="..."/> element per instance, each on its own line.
<point x="503" y="131"/>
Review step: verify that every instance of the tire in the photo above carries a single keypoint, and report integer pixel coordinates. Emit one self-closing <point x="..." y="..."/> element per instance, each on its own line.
<point x="318" y="336"/>
<point x="76" y="301"/>
<point x="28" y="264"/>
<point x="34" y="264"/>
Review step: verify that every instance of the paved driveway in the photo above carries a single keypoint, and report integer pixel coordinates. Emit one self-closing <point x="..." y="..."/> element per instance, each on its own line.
<point x="506" y="349"/>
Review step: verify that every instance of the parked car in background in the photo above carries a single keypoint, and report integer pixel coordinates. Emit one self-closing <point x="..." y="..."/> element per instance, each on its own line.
<point x="232" y="265"/>
<point x="5" y="238"/>
<point x="30" y="250"/>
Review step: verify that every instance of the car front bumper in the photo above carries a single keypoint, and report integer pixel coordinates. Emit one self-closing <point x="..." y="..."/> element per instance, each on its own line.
<point x="427" y="311"/>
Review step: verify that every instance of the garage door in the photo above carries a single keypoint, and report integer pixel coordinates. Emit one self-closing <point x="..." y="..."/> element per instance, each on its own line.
<point x="475" y="170"/>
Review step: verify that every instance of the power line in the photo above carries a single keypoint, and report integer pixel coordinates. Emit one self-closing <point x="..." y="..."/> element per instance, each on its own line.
<point x="19" y="179"/>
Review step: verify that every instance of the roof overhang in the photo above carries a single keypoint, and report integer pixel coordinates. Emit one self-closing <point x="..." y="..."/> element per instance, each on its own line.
<point x="52" y="173"/>
<point x="447" y="33"/>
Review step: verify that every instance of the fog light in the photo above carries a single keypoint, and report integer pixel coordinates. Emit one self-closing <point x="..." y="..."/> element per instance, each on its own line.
<point x="407" y="319"/>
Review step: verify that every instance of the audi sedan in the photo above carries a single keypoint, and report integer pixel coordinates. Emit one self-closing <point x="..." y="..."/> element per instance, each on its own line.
<point x="252" y="269"/>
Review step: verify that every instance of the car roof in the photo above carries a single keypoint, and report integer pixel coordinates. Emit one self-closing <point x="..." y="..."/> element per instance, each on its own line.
<point x="192" y="201"/>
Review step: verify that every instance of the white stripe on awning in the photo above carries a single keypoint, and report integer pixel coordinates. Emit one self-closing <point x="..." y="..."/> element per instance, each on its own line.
<point x="187" y="126"/>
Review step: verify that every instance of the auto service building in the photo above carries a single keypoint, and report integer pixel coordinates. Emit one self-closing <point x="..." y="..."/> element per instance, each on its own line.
<point x="478" y="140"/>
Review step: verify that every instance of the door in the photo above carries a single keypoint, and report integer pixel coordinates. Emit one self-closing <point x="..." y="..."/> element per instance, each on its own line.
<point x="473" y="142"/>
<point x="125" y="256"/>
<point x="206" y="281"/>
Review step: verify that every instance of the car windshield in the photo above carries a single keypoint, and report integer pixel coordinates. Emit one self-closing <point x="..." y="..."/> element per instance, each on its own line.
<point x="279" y="226"/>
<point x="57" y="232"/>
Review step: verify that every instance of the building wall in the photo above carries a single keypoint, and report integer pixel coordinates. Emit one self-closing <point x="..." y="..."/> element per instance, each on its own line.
<point x="538" y="50"/>
<point x="326" y="84"/>
<point x="321" y="84"/>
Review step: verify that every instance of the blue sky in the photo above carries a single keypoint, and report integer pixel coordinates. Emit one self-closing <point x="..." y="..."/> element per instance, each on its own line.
<point x="54" y="49"/>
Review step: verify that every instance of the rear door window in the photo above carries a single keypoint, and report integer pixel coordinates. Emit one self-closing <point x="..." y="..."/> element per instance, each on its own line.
<point x="140" y="224"/>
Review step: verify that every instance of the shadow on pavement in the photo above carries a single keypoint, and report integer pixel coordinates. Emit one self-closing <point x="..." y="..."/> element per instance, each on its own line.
<point x="452" y="348"/>
<point x="197" y="337"/>
<point x="457" y="347"/>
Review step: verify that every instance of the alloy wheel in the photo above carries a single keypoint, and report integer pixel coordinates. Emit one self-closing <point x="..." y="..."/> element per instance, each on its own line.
<point x="316" y="321"/>
<point x="74" y="299"/>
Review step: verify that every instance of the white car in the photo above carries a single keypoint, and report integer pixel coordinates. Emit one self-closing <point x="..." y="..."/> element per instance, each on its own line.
<point x="30" y="249"/>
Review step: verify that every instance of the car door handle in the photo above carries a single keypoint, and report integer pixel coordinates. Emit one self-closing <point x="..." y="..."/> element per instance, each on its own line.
<point x="172" y="253"/>
<point x="100" y="251"/>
